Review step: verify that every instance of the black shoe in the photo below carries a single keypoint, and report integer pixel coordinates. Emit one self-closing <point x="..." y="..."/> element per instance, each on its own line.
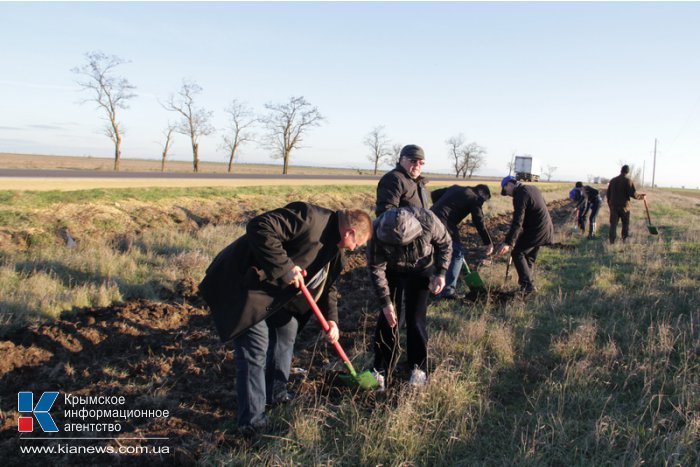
<point x="282" y="398"/>
<point x="454" y="296"/>
<point x="256" y="428"/>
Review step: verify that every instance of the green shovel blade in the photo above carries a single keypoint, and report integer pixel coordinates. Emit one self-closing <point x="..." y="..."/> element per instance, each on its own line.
<point x="365" y="380"/>
<point x="653" y="230"/>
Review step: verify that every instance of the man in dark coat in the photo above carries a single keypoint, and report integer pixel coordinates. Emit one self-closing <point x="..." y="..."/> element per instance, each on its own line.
<point x="530" y="229"/>
<point x="251" y="289"/>
<point x="452" y="205"/>
<point x="588" y="202"/>
<point x="620" y="190"/>
<point x="403" y="185"/>
<point x="410" y="247"/>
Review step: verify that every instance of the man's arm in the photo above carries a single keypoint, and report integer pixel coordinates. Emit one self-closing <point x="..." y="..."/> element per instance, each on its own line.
<point x="478" y="220"/>
<point x="267" y="234"/>
<point x="516" y="225"/>
<point x="388" y="193"/>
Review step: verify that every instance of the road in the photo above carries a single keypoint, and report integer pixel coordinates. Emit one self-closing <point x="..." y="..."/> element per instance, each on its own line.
<point x="40" y="179"/>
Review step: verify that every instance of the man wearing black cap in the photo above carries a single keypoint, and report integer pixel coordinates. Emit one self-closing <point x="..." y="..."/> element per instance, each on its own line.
<point x="403" y="185"/>
<point x="620" y="190"/>
<point x="452" y="205"/>
<point x="530" y="229"/>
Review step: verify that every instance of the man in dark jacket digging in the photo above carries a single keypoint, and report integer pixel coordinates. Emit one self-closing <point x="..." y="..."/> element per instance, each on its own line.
<point x="620" y="190"/>
<point x="452" y="205"/>
<point x="410" y="247"/>
<point x="588" y="202"/>
<point x="251" y="289"/>
<point x="530" y="229"/>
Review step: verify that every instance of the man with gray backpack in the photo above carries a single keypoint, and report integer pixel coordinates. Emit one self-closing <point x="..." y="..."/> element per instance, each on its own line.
<point x="410" y="249"/>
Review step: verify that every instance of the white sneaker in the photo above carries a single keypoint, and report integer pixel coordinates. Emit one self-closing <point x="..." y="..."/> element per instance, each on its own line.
<point x="418" y="377"/>
<point x="380" y="380"/>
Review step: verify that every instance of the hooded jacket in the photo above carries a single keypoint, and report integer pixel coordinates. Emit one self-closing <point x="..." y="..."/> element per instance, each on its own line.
<point x="452" y="205"/>
<point x="396" y="189"/>
<point x="531" y="225"/>
<point x="243" y="285"/>
<point x="407" y="240"/>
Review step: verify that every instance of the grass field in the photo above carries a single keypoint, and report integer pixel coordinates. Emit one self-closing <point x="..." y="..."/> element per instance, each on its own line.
<point x="601" y="367"/>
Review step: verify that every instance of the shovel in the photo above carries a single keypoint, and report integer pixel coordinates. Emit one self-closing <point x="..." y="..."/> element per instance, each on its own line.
<point x="510" y="260"/>
<point x="472" y="279"/>
<point x="652" y="230"/>
<point x="365" y="379"/>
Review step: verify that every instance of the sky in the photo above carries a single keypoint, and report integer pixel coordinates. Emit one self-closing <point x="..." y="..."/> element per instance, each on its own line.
<point x="581" y="86"/>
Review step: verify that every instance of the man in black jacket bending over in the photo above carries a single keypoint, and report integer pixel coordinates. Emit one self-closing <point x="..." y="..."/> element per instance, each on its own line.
<point x="452" y="205"/>
<point x="251" y="289"/>
<point x="530" y="229"/>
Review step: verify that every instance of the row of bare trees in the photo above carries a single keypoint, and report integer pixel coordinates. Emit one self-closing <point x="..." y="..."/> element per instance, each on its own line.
<point x="382" y="150"/>
<point x="466" y="157"/>
<point x="284" y="124"/>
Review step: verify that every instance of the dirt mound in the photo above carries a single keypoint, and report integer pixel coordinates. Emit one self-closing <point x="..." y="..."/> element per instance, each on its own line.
<point x="167" y="356"/>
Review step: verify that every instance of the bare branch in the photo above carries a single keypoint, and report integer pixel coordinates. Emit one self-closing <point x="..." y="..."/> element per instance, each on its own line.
<point x="286" y="125"/>
<point x="241" y="119"/>
<point x="194" y="121"/>
<point x="109" y="91"/>
<point x="378" y="144"/>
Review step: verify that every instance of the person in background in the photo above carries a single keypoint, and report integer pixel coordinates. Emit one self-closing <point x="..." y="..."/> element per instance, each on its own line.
<point x="403" y="185"/>
<point x="452" y="205"/>
<point x="251" y="289"/>
<point x="409" y="247"/>
<point x="530" y="229"/>
<point x="588" y="202"/>
<point x="620" y="190"/>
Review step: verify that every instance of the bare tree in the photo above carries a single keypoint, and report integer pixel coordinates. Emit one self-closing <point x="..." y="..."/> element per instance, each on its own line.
<point x="194" y="121"/>
<point x="166" y="146"/>
<point x="395" y="154"/>
<point x="473" y="157"/>
<point x="455" y="146"/>
<point x="241" y="118"/>
<point x="286" y="125"/>
<point x="109" y="91"/>
<point x="378" y="144"/>
<point x="511" y="164"/>
<point x="549" y="171"/>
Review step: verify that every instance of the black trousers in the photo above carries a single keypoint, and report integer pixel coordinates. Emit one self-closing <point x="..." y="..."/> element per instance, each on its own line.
<point x="524" y="260"/>
<point x="415" y="307"/>
<point x="622" y="215"/>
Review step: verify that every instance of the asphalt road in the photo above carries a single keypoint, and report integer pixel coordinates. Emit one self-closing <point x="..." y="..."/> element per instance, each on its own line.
<point x="41" y="173"/>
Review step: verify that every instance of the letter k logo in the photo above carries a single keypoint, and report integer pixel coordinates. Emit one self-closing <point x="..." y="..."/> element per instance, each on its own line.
<point x="25" y="403"/>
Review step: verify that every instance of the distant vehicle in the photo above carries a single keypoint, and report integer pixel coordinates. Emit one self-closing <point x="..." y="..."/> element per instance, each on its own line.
<point x="525" y="169"/>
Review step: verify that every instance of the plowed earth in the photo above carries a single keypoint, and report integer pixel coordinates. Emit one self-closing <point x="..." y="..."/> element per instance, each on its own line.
<point x="167" y="356"/>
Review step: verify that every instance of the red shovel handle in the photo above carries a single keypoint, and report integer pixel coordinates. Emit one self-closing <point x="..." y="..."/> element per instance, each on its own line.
<point x="325" y="326"/>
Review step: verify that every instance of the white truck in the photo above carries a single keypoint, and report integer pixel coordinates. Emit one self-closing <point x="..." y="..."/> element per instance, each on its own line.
<point x="525" y="169"/>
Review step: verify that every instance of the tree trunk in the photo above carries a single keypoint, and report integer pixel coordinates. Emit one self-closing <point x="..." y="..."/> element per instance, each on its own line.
<point x="376" y="163"/>
<point x="285" y="167"/>
<point x="162" y="162"/>
<point x="230" y="162"/>
<point x="117" y="152"/>
<point x="195" y="154"/>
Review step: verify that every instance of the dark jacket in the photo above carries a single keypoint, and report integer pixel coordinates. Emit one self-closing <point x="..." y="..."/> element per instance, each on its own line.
<point x="243" y="285"/>
<point x="452" y="205"/>
<point x="620" y="190"/>
<point x="587" y="196"/>
<point x="429" y="253"/>
<point x="396" y="189"/>
<point x="531" y="226"/>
